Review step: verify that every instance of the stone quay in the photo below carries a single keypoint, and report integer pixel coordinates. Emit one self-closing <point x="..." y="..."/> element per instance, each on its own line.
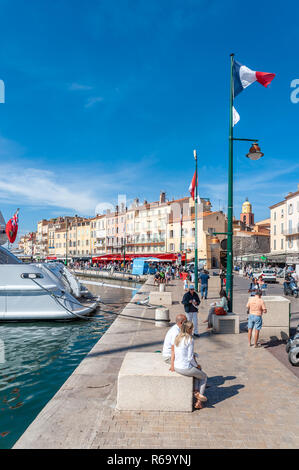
<point x="252" y="396"/>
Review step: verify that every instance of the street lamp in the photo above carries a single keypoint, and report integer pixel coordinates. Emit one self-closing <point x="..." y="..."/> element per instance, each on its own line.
<point x="254" y="152"/>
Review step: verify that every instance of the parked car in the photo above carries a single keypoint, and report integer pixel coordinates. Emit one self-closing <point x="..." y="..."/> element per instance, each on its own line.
<point x="269" y="275"/>
<point x="190" y="266"/>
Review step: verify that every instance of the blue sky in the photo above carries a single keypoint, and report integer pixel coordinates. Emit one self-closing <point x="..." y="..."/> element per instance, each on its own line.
<point x="106" y="98"/>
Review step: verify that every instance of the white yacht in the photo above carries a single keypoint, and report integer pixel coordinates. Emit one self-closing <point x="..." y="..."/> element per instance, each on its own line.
<point x="39" y="291"/>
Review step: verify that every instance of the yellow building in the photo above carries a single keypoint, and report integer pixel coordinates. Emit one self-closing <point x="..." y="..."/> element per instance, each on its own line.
<point x="181" y="232"/>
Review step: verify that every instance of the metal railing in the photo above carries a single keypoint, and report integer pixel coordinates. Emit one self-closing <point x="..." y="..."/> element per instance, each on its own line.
<point x="97" y="271"/>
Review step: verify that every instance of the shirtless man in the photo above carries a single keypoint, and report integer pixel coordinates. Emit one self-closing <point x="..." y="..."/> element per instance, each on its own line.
<point x="256" y="308"/>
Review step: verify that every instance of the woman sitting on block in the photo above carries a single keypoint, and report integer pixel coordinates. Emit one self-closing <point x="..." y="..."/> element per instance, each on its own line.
<point x="219" y="308"/>
<point x="183" y="362"/>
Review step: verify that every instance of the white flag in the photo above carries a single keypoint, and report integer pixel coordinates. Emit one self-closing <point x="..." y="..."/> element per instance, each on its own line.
<point x="236" y="116"/>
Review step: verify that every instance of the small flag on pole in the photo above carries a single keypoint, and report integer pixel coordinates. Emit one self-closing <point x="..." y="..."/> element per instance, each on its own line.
<point x="192" y="186"/>
<point x="12" y="227"/>
<point x="236" y="116"/>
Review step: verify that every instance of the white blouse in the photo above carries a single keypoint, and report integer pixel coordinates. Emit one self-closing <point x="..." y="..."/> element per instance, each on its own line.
<point x="184" y="354"/>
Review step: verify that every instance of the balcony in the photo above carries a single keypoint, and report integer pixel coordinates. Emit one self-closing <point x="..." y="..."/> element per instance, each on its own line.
<point x="291" y="231"/>
<point x="100" y="244"/>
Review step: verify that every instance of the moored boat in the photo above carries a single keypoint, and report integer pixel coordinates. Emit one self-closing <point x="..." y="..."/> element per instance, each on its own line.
<point x="30" y="291"/>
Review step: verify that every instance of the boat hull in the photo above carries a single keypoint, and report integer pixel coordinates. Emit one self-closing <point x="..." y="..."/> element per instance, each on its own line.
<point x="24" y="298"/>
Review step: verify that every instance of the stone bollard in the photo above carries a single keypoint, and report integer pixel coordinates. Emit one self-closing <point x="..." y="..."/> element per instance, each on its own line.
<point x="162" y="317"/>
<point x="162" y="288"/>
<point x="276" y="322"/>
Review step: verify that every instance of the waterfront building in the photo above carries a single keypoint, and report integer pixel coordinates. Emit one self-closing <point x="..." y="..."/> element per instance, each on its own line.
<point x="41" y="245"/>
<point x="285" y="228"/>
<point x="181" y="232"/>
<point x="150" y="226"/>
<point x="78" y="234"/>
<point x="98" y="235"/>
<point x="160" y="228"/>
<point x="27" y="244"/>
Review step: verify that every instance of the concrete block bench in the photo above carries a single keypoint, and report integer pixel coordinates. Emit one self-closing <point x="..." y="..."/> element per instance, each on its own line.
<point x="229" y="324"/>
<point x="276" y="322"/>
<point x="160" y="298"/>
<point x="145" y="383"/>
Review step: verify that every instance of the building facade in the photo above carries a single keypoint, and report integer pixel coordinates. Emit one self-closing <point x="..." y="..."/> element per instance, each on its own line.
<point x="285" y="227"/>
<point x="147" y="228"/>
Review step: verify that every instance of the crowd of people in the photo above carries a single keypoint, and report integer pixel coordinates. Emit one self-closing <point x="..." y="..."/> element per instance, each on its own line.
<point x="102" y="266"/>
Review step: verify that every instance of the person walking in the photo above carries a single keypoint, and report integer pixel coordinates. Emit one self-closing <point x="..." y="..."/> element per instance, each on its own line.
<point x="256" y="308"/>
<point x="204" y="278"/>
<point x="191" y="302"/>
<point x="253" y="287"/>
<point x="184" y="363"/>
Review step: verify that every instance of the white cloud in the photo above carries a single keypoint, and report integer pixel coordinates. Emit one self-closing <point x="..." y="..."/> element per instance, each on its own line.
<point x="92" y="101"/>
<point x="79" y="87"/>
<point x="74" y="189"/>
<point x="40" y="188"/>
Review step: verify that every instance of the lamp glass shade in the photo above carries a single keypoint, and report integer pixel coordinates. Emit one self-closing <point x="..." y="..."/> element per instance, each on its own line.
<point x="254" y="152"/>
<point x="254" y="155"/>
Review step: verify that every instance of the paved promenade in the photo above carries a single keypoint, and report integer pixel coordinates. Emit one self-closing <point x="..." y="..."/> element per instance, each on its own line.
<point x="252" y="397"/>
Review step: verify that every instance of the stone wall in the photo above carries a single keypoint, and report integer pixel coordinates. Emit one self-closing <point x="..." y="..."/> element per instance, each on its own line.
<point x="250" y="245"/>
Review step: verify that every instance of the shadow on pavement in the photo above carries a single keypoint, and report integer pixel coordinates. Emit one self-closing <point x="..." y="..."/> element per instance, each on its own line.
<point x="215" y="393"/>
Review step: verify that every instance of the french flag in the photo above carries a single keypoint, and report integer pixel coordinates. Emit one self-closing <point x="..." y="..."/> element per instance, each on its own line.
<point x="243" y="77"/>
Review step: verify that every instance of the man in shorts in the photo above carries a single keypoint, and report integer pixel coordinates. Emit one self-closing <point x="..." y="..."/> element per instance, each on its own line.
<point x="256" y="308"/>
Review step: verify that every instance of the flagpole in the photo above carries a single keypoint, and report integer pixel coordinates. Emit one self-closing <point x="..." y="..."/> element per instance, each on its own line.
<point x="195" y="245"/>
<point x="229" y="269"/>
<point x="181" y="234"/>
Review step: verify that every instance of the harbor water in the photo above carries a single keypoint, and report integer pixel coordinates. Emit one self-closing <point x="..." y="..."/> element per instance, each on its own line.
<point x="37" y="358"/>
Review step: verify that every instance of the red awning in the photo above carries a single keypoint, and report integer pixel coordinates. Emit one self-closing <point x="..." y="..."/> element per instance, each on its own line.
<point x="51" y="257"/>
<point x="129" y="257"/>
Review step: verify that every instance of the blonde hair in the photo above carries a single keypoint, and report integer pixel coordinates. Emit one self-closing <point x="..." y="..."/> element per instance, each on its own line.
<point x="183" y="334"/>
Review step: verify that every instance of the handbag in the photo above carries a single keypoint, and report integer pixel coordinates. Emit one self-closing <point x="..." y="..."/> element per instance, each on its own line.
<point x="219" y="311"/>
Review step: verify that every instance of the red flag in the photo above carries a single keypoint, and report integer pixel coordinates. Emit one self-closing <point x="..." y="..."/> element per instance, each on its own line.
<point x="11" y="228"/>
<point x="192" y="186"/>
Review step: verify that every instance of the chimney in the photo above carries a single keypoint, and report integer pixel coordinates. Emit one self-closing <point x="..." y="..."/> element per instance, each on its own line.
<point x="162" y="197"/>
<point x="136" y="202"/>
